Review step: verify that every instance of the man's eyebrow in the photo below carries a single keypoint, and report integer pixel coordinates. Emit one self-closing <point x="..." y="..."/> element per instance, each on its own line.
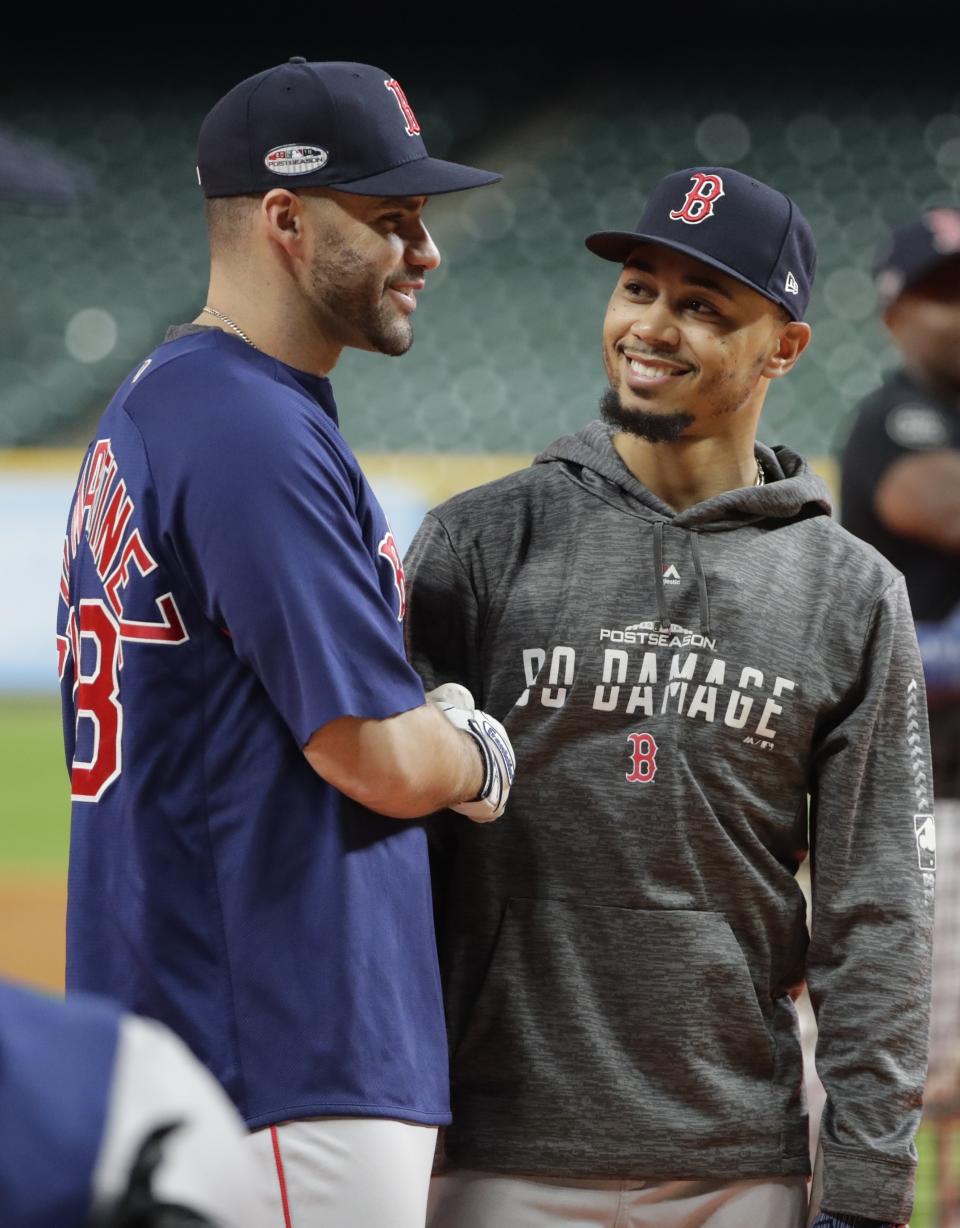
<point x="707" y="283"/>
<point x="690" y="279"/>
<point x="407" y="203"/>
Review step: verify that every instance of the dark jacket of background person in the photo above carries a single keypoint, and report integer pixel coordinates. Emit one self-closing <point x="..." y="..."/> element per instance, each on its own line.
<point x="903" y="418"/>
<point x="618" y="955"/>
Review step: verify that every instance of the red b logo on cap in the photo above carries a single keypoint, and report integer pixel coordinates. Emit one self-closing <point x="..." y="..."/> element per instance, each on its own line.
<point x="413" y="128"/>
<point x="698" y="205"/>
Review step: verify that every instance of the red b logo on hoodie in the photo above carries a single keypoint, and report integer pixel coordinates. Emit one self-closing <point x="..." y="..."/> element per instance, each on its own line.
<point x="698" y="205"/>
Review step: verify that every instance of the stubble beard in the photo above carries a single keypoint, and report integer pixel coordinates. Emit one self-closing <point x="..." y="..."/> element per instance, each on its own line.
<point x="344" y="290"/>
<point x="655" y="428"/>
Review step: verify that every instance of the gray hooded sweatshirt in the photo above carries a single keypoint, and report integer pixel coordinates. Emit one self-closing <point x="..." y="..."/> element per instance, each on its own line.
<point x="619" y="951"/>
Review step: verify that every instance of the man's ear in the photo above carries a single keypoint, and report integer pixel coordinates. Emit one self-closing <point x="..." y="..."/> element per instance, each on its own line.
<point x="793" y="339"/>
<point x="282" y="217"/>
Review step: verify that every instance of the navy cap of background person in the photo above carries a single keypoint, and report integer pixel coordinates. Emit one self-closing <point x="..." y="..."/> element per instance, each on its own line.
<point x="322" y="125"/>
<point x="759" y="237"/>
<point x="915" y="249"/>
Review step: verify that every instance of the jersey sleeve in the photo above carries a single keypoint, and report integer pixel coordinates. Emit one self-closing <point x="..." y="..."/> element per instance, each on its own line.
<point x="267" y="529"/>
<point x="869" y="961"/>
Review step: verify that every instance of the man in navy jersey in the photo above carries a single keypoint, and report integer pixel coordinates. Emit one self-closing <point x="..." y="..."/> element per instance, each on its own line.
<point x="242" y="727"/>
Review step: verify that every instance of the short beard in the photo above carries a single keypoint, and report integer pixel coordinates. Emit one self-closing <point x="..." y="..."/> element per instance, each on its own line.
<point x="342" y="289"/>
<point x="656" y="428"/>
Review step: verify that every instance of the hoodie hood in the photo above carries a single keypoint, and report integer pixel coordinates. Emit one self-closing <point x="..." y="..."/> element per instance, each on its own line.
<point x="792" y="490"/>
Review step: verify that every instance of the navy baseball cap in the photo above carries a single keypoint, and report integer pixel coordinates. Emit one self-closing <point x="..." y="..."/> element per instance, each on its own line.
<point x="329" y="125"/>
<point x="736" y="224"/>
<point x="914" y="249"/>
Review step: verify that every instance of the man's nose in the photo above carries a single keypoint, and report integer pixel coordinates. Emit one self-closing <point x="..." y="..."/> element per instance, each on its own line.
<point x="423" y="252"/>
<point x="656" y="326"/>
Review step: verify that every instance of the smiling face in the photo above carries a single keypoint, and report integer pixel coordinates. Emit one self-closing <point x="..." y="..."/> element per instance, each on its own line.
<point x="369" y="258"/>
<point x="688" y="350"/>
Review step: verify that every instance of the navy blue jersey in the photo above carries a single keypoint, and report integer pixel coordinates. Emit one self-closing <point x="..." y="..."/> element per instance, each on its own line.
<point x="56" y="1074"/>
<point x="229" y="586"/>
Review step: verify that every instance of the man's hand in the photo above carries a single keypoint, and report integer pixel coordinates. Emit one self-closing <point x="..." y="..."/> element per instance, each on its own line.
<point x="456" y="704"/>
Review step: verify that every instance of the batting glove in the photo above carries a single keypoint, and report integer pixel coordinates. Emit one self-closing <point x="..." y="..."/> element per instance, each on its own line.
<point x="827" y="1220"/>
<point x="456" y="704"/>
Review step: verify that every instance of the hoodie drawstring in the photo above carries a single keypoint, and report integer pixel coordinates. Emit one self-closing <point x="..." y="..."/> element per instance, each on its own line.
<point x="658" y="569"/>
<point x="704" y="596"/>
<point x="701" y="584"/>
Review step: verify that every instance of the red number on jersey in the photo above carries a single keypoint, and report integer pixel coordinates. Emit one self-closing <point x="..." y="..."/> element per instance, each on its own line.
<point x="643" y="753"/>
<point x="95" y="700"/>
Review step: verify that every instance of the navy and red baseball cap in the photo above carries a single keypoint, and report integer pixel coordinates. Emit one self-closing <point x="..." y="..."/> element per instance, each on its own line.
<point x="330" y="125"/>
<point x="735" y="224"/>
<point x="915" y="249"/>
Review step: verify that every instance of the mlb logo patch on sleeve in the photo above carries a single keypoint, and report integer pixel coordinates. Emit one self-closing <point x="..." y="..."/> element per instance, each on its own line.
<point x="926" y="840"/>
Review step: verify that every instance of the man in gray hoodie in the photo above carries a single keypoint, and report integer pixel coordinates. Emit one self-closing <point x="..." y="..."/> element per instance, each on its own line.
<point x="684" y="647"/>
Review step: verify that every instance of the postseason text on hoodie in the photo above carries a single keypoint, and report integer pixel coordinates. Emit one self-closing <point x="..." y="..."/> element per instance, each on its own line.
<point x="619" y="951"/>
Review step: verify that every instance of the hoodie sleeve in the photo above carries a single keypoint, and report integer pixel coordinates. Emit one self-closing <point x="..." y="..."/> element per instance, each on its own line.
<point x="873" y="856"/>
<point x="442" y="629"/>
<point x="443" y="621"/>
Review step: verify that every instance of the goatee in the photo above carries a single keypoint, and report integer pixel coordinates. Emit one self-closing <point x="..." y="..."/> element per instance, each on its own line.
<point x="657" y="428"/>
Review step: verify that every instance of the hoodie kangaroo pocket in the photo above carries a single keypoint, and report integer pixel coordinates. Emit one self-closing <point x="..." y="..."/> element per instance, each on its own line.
<point x="591" y="1012"/>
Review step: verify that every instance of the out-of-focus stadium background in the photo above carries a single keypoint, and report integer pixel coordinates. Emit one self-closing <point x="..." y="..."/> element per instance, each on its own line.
<point x="861" y="133"/>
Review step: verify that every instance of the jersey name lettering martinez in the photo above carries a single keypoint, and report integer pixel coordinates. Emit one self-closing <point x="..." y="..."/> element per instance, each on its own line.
<point x="97" y="627"/>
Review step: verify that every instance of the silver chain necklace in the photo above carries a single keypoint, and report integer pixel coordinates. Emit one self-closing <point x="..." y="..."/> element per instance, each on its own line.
<point x="230" y="324"/>
<point x="761" y="478"/>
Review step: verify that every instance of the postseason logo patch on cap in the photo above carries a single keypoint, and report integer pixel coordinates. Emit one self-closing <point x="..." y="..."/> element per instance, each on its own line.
<point x="295" y="159"/>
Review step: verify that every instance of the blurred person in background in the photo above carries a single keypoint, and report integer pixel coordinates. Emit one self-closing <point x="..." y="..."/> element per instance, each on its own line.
<point x="684" y="645"/>
<point x="108" y="1121"/>
<point x="900" y="491"/>
<point x="242" y="726"/>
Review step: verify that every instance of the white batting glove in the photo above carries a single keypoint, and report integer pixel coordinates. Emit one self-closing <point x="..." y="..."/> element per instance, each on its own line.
<point x="456" y="704"/>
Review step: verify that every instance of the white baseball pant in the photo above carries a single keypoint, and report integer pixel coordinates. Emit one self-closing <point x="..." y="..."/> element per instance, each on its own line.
<point x="345" y="1172"/>
<point x="468" y="1199"/>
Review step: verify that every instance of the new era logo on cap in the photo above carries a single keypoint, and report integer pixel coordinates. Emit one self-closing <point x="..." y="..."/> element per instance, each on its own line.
<point x="753" y="233"/>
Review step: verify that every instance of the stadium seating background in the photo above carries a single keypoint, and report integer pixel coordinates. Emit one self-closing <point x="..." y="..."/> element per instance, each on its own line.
<point x="507" y="351"/>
